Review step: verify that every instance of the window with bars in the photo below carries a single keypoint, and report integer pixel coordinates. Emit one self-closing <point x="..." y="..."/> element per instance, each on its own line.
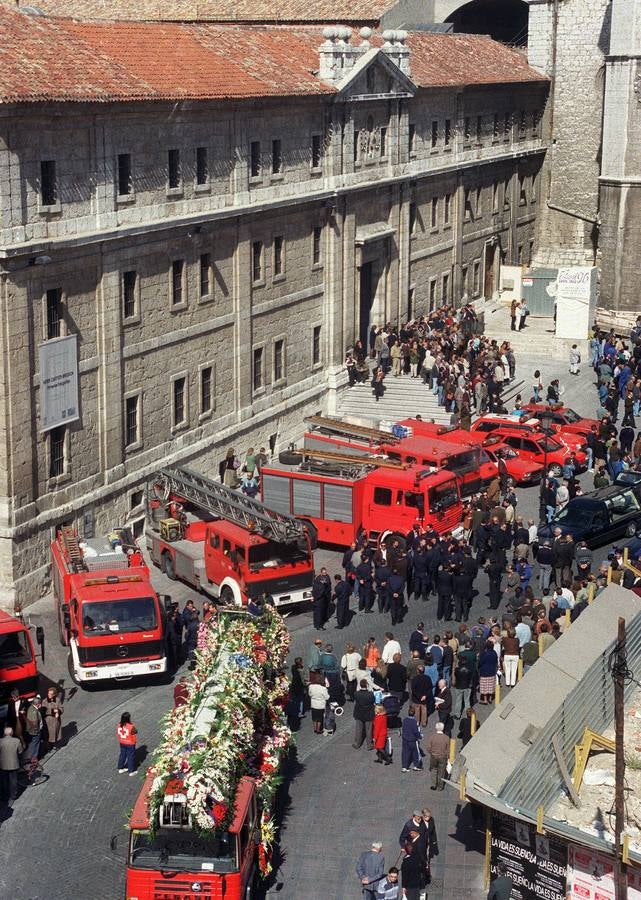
<point x="48" y="182"/>
<point x="57" y="455"/>
<point x="205" y="274"/>
<point x="317" y="245"/>
<point x="279" y="360"/>
<point x="447" y="215"/>
<point x="129" y="305"/>
<point x="254" y="159"/>
<point x="257" y="368"/>
<point x="202" y="165"/>
<point x="125" y="181"/>
<point x="206" y="390"/>
<point x="432" y="294"/>
<point x="179" y="401"/>
<point x="174" y="173"/>
<point x="357" y="143"/>
<point x="54" y="313"/>
<point x="177" y="277"/>
<point x="316" y="345"/>
<point x="279" y="245"/>
<point x="477" y="277"/>
<point x="277" y="157"/>
<point x="445" y="286"/>
<point x="317" y="151"/>
<point x="383" y="141"/>
<point x="131" y="421"/>
<point x="257" y="261"/>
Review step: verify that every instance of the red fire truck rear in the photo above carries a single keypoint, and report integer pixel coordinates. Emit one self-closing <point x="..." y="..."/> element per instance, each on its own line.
<point x="462" y="458"/>
<point x="345" y="496"/>
<point x="18" y="670"/>
<point x="108" y="613"/>
<point x="225" y="544"/>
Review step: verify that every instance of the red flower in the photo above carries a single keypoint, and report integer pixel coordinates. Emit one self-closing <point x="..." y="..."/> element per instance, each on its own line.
<point x="218" y="812"/>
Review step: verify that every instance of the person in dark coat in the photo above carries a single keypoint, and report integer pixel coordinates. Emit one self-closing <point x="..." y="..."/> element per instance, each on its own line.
<point x="397" y="596"/>
<point x="297" y="689"/>
<point x="445" y="590"/>
<point x="382" y="574"/>
<point x="364" y="712"/>
<point x="173" y="639"/>
<point x="422" y="696"/>
<point x="495" y="573"/>
<point x="411" y="735"/>
<point x="444" y="708"/>
<point x="191" y="639"/>
<point x="501" y="886"/>
<point x="418" y="641"/>
<point x="416" y="823"/>
<point x="321" y="595"/>
<point x="421" y="576"/>
<point x="342" y="593"/>
<point x="364" y="581"/>
<point x="463" y="588"/>
<point x="413" y="868"/>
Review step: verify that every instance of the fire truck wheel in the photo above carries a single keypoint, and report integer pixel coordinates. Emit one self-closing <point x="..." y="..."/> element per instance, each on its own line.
<point x="392" y="536"/>
<point x="62" y="632"/>
<point x="227" y="596"/>
<point x="288" y="458"/>
<point x="168" y="566"/>
<point x="72" y="674"/>
<point x="312" y="533"/>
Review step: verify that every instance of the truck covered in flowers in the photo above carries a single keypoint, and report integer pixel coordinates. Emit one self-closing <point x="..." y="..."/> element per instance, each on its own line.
<point x="203" y="823"/>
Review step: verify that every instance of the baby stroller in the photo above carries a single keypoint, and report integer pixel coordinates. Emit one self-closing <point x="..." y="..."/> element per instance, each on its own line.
<point x="392" y="706"/>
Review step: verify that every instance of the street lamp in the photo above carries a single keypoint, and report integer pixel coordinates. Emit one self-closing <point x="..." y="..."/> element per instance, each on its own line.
<point x="545" y="418"/>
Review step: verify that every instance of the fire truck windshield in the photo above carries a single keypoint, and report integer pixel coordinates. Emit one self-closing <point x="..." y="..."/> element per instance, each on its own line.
<point x="274" y="553"/>
<point x="14" y="649"/>
<point x="183" y="851"/>
<point x="462" y="463"/>
<point x="119" y="616"/>
<point x="443" y="496"/>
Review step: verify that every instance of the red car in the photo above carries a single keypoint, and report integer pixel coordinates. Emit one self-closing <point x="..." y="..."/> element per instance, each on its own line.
<point x="531" y="447"/>
<point x="520" y="421"/>
<point x="521" y="471"/>
<point x="562" y="418"/>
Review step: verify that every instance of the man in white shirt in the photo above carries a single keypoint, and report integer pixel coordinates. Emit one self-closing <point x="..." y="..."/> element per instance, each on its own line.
<point x="390" y="647"/>
<point x="533" y="531"/>
<point x="562" y="496"/>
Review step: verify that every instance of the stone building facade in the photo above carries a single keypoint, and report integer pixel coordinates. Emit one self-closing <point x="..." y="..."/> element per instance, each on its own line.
<point x="218" y="213"/>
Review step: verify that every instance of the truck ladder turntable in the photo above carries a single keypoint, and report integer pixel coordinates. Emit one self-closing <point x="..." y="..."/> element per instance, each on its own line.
<point x="349" y="429"/>
<point x="226" y="503"/>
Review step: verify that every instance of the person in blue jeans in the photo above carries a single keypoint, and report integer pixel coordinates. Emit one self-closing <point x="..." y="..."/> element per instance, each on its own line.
<point x="126" y="733"/>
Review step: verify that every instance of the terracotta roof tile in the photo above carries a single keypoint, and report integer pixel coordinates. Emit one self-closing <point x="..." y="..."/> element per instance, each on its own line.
<point x="67" y="60"/>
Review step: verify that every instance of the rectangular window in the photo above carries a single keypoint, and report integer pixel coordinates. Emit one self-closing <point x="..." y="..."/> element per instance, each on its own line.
<point x="522" y="191"/>
<point x="530" y="252"/>
<point x="467" y="215"/>
<point x="383" y="141"/>
<point x="174" y="175"/>
<point x="206" y="392"/>
<point x="48" y="183"/>
<point x="316" y="245"/>
<point x="202" y="165"/>
<point x="446" y="287"/>
<point x="536" y="118"/>
<point x="277" y="157"/>
<point x="279" y="360"/>
<point x="448" y="132"/>
<point x="129" y="280"/>
<point x="125" y="184"/>
<point x="131" y="421"/>
<point x="495" y="197"/>
<point x="412" y="138"/>
<point x="434" y="214"/>
<point x="180" y="412"/>
<point x="316" y="151"/>
<point x="177" y="271"/>
<point x="382" y="496"/>
<point x="506" y="194"/>
<point x="519" y="254"/>
<point x="316" y="345"/>
<point x="434" y="133"/>
<point x="412" y="224"/>
<point x="205" y="274"/>
<point x="432" y="293"/>
<point x="278" y="254"/>
<point x="467" y="129"/>
<point x="258" y="368"/>
<point x="477" y="277"/>
<point x="357" y="141"/>
<point x="257" y="261"/>
<point x="495" y="127"/>
<point x="254" y="159"/>
<point x="448" y="209"/>
<point x="54" y="313"/>
<point x="464" y="279"/>
<point x="507" y="123"/>
<point x="479" y="129"/>
<point x="57" y="461"/>
<point x="479" y="202"/>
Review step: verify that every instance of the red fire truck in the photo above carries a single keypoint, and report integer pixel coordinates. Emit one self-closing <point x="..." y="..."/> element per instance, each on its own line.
<point x="202" y="827"/>
<point x="18" y="670"/>
<point x="108" y="613"/>
<point x="462" y="458"/>
<point x="226" y="544"/>
<point x="344" y="496"/>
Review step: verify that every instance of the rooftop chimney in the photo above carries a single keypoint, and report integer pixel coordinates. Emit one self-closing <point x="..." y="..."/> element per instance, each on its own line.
<point x="337" y="55"/>
<point x="396" y="48"/>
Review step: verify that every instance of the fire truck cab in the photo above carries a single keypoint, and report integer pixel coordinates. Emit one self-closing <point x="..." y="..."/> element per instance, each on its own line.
<point x="344" y="496"/>
<point x="108" y="613"/>
<point x="18" y="669"/>
<point x="225" y="544"/>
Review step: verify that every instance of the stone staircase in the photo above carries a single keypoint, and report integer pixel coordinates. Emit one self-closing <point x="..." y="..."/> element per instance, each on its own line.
<point x="404" y="397"/>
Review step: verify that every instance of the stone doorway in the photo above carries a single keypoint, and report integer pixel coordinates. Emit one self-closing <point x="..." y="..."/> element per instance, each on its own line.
<point x="492" y="263"/>
<point x="367" y="293"/>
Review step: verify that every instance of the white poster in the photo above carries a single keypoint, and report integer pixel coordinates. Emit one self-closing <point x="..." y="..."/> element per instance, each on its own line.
<point x="591" y="876"/>
<point x="575" y="301"/>
<point x="58" y="382"/>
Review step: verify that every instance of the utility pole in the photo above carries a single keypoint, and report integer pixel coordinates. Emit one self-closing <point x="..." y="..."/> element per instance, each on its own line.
<point x="621" y="878"/>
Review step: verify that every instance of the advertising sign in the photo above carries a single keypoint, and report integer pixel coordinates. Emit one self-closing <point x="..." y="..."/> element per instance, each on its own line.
<point x="576" y="290"/>
<point x="536" y="863"/>
<point x="591" y="876"/>
<point x="58" y="382"/>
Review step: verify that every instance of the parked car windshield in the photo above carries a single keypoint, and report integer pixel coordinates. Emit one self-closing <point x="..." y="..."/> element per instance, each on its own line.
<point x="574" y="516"/>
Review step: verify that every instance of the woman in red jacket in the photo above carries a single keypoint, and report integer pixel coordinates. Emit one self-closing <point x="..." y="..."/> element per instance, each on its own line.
<point x="379" y="733"/>
<point x="126" y="733"/>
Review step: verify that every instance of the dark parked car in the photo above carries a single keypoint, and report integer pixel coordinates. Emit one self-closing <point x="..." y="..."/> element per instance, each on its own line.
<point x="629" y="476"/>
<point x="599" y="517"/>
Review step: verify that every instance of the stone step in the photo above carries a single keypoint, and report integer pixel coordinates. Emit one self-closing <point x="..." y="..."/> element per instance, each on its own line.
<point x="400" y="401"/>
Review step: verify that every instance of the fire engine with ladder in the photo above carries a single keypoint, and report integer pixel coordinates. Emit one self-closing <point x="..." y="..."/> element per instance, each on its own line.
<point x="226" y="544"/>
<point x="109" y="615"/>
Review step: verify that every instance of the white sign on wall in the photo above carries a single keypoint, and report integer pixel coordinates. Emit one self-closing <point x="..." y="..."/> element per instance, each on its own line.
<point x="575" y="301"/>
<point x="59" y="382"/>
<point x="591" y="876"/>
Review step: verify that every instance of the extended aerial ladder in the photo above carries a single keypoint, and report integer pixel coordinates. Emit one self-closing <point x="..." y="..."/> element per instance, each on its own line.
<point x="329" y="425"/>
<point x="226" y="503"/>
